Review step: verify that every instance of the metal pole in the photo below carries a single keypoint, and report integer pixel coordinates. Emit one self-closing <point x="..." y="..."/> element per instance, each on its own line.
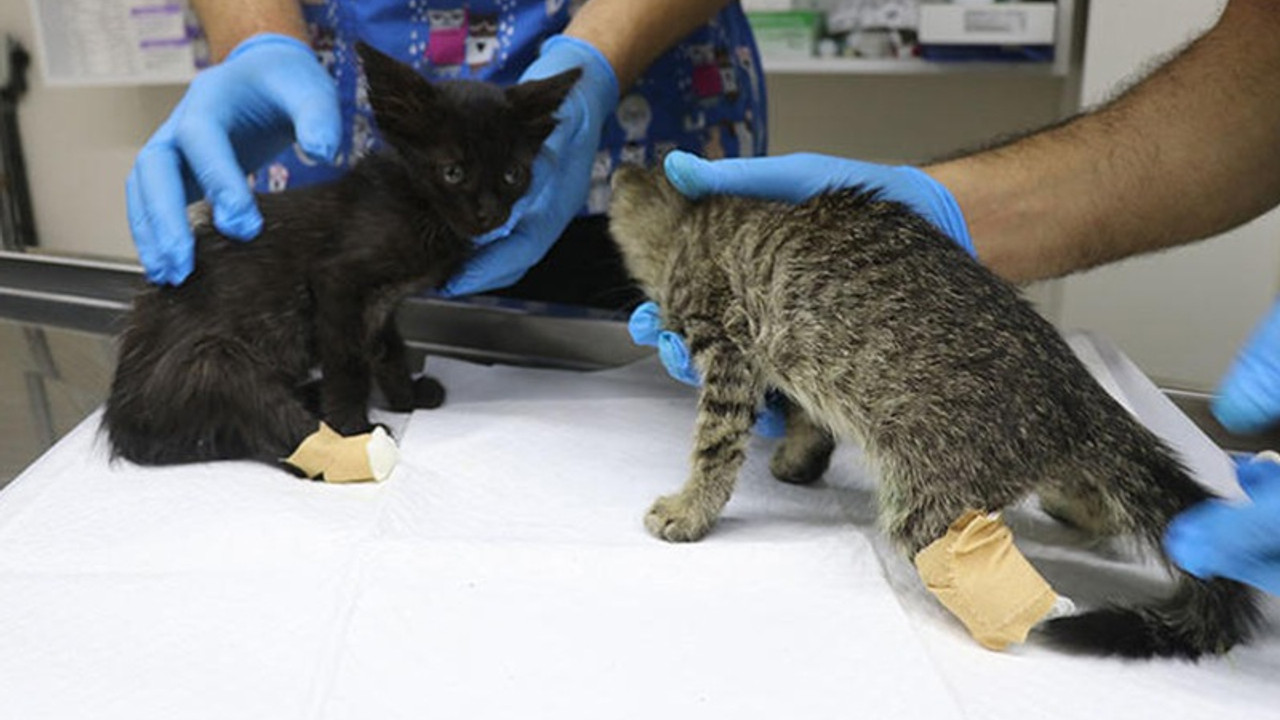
<point x="16" y="214"/>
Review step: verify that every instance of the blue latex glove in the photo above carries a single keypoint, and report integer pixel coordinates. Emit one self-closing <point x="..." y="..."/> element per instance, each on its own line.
<point x="1230" y="540"/>
<point x="646" y="329"/>
<point x="561" y="173"/>
<point x="796" y="178"/>
<point x="235" y="116"/>
<point x="1248" y="400"/>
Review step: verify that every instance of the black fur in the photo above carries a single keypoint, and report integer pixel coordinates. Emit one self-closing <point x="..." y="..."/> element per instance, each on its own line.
<point x="215" y="368"/>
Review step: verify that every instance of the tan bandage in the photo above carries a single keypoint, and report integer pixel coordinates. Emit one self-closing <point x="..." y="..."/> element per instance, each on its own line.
<point x="978" y="574"/>
<point x="358" y="458"/>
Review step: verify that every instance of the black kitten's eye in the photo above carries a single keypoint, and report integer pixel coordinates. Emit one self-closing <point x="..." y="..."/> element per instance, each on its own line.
<point x="513" y="175"/>
<point x="453" y="174"/>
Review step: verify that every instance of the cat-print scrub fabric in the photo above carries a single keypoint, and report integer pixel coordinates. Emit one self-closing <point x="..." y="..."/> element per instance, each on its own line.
<point x="705" y="95"/>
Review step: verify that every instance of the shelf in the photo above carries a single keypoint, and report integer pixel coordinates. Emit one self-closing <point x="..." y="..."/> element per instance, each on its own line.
<point x="118" y="81"/>
<point x="909" y="66"/>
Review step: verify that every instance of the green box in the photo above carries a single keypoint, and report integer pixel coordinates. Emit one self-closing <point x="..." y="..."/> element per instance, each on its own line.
<point x="788" y="35"/>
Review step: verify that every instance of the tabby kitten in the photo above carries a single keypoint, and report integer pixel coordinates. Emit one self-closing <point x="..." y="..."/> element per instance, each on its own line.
<point x="880" y="330"/>
<point x="213" y="369"/>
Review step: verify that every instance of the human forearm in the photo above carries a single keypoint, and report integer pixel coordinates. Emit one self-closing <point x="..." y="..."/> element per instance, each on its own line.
<point x="632" y="33"/>
<point x="227" y="22"/>
<point x="1189" y="152"/>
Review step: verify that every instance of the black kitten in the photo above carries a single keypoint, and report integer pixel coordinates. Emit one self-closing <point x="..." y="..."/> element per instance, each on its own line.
<point x="213" y="368"/>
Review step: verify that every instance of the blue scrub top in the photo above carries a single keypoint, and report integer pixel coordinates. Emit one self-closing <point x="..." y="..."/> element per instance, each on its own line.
<point x="705" y="95"/>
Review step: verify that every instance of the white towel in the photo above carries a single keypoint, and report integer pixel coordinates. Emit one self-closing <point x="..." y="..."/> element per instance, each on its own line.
<point x="503" y="571"/>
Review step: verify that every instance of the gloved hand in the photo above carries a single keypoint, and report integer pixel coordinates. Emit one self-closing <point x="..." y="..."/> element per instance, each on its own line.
<point x="646" y="329"/>
<point x="1248" y="400"/>
<point x="798" y="177"/>
<point x="1240" y="542"/>
<point x="561" y="173"/>
<point x="235" y="116"/>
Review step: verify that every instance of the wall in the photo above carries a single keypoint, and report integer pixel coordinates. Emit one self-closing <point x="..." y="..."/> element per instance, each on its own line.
<point x="80" y="144"/>
<point x="905" y="118"/>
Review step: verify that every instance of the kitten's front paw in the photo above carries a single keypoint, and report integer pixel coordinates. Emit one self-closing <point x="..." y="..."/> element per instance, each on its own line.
<point x="676" y="519"/>
<point x="350" y="425"/>
<point x="428" y="393"/>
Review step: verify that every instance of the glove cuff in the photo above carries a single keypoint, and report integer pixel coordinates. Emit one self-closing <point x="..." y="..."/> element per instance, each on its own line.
<point x="261" y="39"/>
<point x="599" y="81"/>
<point x="946" y="211"/>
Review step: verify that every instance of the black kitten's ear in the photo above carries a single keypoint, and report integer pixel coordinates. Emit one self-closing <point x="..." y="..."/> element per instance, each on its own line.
<point x="536" y="101"/>
<point x="402" y="99"/>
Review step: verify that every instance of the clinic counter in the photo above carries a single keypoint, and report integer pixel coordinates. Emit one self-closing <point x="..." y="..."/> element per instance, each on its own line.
<point x="93" y="295"/>
<point x="58" y="316"/>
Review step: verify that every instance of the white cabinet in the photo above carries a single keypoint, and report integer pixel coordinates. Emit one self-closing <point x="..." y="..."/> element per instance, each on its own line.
<point x="1181" y="314"/>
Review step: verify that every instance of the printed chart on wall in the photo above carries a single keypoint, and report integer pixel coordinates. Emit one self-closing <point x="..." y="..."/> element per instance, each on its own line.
<point x="117" y="42"/>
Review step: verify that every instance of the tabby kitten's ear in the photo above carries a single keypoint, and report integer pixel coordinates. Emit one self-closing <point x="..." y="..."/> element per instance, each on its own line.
<point x="403" y="101"/>
<point x="536" y="101"/>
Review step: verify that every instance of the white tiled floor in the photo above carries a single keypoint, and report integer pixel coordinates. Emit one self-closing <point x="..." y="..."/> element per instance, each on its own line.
<point x="62" y="385"/>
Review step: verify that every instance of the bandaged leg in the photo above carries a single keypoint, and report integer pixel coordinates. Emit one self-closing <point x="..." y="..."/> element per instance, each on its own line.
<point x="978" y="574"/>
<point x="358" y="458"/>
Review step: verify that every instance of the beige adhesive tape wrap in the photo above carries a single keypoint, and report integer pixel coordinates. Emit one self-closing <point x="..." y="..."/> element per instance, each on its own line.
<point x="359" y="458"/>
<point x="978" y="574"/>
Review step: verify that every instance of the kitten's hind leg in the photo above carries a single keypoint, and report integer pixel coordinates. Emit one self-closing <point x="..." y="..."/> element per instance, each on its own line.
<point x="805" y="451"/>
<point x="206" y="399"/>
<point x="726" y="410"/>
<point x="918" y="503"/>
<point x="1079" y="507"/>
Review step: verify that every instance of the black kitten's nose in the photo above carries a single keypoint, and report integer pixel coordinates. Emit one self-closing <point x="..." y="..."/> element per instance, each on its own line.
<point x="488" y="208"/>
<point x="482" y="221"/>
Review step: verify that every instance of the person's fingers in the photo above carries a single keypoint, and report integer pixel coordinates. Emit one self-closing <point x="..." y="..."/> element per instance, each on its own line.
<point x="774" y="178"/>
<point x="787" y="178"/>
<point x="212" y="160"/>
<point x="1259" y="475"/>
<point x="517" y="214"/>
<point x="645" y="324"/>
<point x="771" y="422"/>
<point x="1248" y="400"/>
<point x="317" y="121"/>
<point x="140" y="226"/>
<point x="690" y="174"/>
<point x="675" y="357"/>
<point x="1216" y="538"/>
<point x="538" y="196"/>
<point x="1189" y="540"/>
<point x="1235" y="542"/>
<point x="159" y="191"/>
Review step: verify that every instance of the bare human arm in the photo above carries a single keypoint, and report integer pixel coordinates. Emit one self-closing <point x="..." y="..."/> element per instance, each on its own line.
<point x="227" y="22"/>
<point x="1191" y="151"/>
<point x="632" y="33"/>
